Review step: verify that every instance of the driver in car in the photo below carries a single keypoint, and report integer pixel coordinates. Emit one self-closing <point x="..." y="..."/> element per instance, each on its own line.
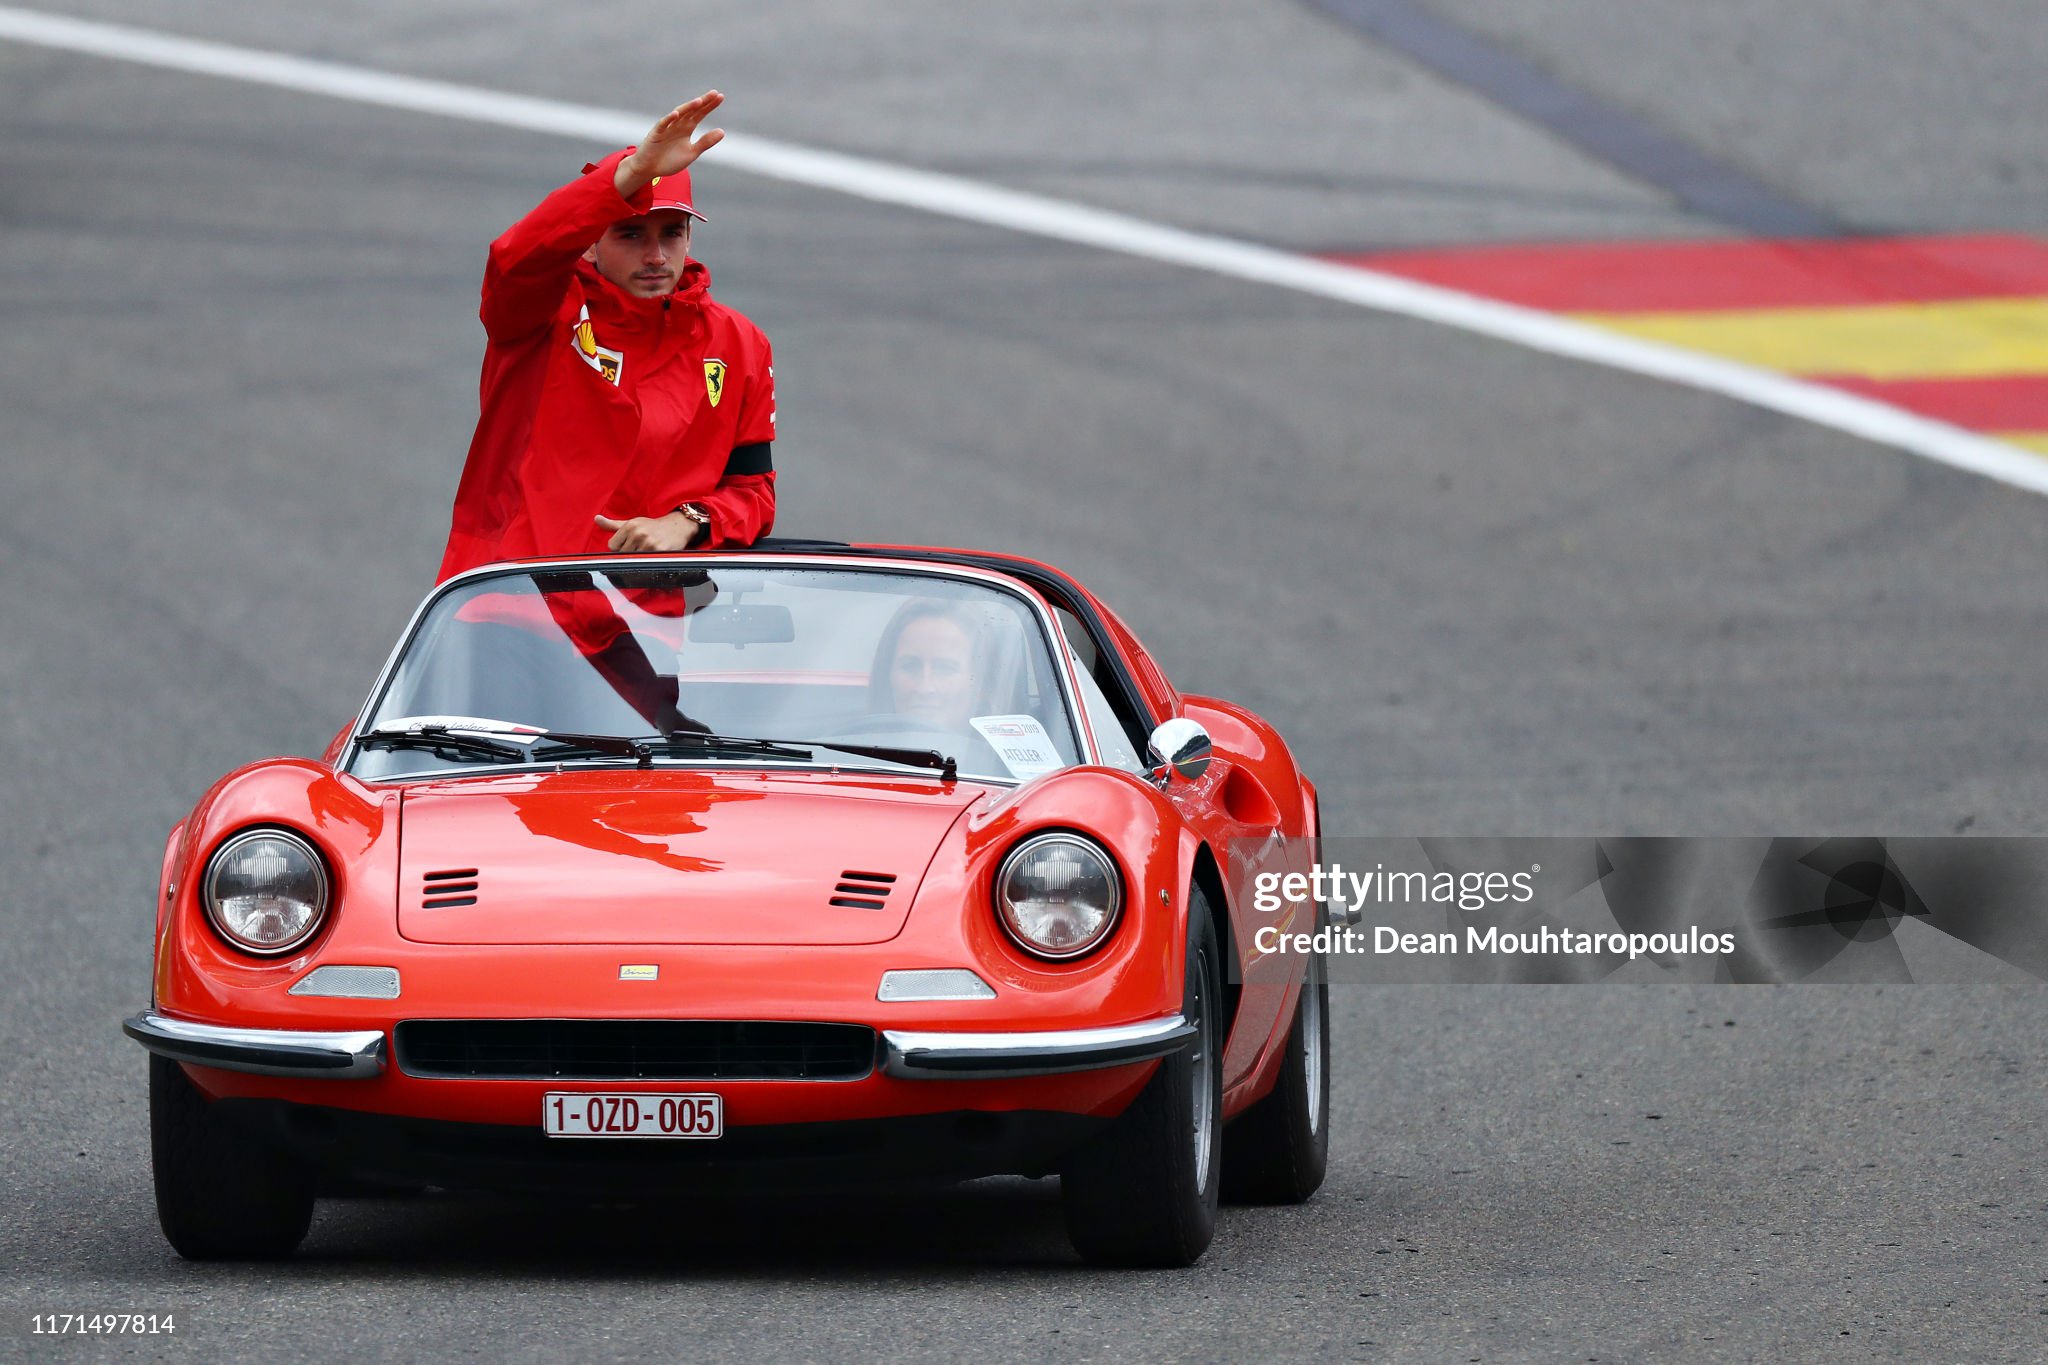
<point x="948" y="668"/>
<point x="929" y="665"/>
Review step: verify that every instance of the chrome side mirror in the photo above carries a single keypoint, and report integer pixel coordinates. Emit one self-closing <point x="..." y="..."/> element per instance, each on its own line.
<point x="1179" y="746"/>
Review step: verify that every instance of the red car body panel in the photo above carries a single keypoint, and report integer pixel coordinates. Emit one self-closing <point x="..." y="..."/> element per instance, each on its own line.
<point x="721" y="880"/>
<point x="667" y="857"/>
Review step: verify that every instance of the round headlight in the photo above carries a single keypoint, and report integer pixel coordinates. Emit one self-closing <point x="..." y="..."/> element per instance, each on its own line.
<point x="266" y="891"/>
<point x="1058" y="895"/>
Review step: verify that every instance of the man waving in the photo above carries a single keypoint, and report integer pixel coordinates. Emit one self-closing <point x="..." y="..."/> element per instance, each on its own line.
<point x="622" y="408"/>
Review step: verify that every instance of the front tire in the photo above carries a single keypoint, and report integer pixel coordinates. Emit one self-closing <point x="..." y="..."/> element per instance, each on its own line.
<point x="221" y="1195"/>
<point x="1145" y="1193"/>
<point x="1279" y="1149"/>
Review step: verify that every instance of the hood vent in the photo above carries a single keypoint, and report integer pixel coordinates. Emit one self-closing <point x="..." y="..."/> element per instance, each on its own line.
<point x="440" y="890"/>
<point x="863" y="890"/>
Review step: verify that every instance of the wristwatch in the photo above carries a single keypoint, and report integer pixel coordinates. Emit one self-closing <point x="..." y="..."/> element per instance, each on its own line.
<point x="695" y="512"/>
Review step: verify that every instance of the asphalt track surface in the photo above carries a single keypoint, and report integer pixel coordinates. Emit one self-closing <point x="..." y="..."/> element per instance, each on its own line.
<point x="1485" y="591"/>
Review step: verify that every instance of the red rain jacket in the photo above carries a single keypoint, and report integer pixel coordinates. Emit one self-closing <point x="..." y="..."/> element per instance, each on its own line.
<point x="595" y="401"/>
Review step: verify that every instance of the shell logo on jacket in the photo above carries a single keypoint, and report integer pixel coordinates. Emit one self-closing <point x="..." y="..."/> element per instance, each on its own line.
<point x="606" y="362"/>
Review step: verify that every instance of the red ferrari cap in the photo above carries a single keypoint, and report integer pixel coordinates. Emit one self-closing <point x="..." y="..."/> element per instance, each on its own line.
<point x="670" y="192"/>
<point x="673" y="192"/>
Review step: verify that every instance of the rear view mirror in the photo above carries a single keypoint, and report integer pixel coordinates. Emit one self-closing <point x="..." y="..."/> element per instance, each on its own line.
<point x="741" y="624"/>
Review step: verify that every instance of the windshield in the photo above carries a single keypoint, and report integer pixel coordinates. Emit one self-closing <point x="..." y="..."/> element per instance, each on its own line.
<point x="873" y="659"/>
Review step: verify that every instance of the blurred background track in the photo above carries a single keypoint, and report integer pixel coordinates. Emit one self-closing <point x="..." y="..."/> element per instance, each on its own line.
<point x="1954" y="328"/>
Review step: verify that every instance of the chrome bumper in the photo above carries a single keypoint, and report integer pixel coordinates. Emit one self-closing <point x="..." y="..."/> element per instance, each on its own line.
<point x="906" y="1054"/>
<point x="995" y="1056"/>
<point x="267" y="1052"/>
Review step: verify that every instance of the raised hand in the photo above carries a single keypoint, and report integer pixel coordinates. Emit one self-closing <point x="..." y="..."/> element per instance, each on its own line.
<point x="670" y="145"/>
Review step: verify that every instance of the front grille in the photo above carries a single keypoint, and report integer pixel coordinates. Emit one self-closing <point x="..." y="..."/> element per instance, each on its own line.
<point x="634" y="1049"/>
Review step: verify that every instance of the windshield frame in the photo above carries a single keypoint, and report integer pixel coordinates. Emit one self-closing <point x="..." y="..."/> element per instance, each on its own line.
<point x="1053" y="640"/>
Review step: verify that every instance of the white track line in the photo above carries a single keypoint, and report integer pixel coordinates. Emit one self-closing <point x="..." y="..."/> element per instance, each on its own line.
<point x="969" y="200"/>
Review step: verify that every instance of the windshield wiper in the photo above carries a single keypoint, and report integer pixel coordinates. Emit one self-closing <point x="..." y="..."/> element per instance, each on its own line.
<point x="800" y="750"/>
<point x="735" y="744"/>
<point x="611" y="746"/>
<point x="443" y="741"/>
<point x="563" y="743"/>
<point x="497" y="739"/>
<point x="949" y="767"/>
<point x="461" y="737"/>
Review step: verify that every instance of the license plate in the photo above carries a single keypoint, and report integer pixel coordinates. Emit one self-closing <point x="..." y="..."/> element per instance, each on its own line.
<point x="579" y="1114"/>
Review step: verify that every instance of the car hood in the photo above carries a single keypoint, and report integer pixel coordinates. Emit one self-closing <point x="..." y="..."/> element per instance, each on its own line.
<point x="669" y="857"/>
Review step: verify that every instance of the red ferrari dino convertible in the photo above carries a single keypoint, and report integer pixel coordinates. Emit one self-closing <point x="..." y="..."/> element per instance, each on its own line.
<point x="809" y="862"/>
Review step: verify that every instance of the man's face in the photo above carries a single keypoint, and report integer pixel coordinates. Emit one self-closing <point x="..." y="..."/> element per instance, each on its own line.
<point x="644" y="256"/>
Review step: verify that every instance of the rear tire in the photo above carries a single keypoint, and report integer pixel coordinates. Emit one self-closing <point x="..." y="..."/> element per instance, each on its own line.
<point x="1145" y="1192"/>
<point x="221" y="1195"/>
<point x="1279" y="1149"/>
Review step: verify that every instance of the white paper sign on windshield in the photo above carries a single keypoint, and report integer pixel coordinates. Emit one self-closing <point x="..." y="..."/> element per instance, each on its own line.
<point x="1021" y="742"/>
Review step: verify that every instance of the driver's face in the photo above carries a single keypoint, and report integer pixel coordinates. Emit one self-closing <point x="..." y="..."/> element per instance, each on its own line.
<point x="931" y="676"/>
<point x="644" y="256"/>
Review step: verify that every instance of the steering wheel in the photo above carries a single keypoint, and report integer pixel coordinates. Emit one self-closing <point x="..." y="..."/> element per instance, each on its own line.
<point x="911" y="732"/>
<point x="890" y="722"/>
